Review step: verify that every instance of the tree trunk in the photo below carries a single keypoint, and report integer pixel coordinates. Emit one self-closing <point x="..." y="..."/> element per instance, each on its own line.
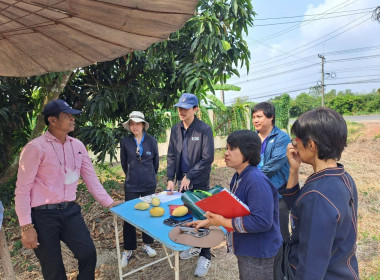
<point x="53" y="92"/>
<point x="5" y="258"/>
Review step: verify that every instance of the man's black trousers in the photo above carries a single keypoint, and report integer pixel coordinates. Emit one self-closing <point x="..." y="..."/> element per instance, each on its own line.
<point x="67" y="225"/>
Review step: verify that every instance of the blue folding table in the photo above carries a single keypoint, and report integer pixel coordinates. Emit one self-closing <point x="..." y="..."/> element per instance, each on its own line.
<point x="153" y="226"/>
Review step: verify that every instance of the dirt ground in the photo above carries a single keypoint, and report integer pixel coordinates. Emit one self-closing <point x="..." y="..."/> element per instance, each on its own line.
<point x="361" y="159"/>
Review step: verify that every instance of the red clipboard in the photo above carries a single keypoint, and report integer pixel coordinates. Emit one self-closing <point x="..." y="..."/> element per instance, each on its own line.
<point x="224" y="203"/>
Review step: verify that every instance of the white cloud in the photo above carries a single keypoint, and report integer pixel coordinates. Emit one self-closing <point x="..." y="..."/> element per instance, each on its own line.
<point x="299" y="48"/>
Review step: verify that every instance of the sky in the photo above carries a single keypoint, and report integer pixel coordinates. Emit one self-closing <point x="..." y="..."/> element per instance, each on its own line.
<point x="284" y="56"/>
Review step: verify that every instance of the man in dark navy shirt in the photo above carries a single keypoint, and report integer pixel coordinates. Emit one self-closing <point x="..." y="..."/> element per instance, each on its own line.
<point x="189" y="159"/>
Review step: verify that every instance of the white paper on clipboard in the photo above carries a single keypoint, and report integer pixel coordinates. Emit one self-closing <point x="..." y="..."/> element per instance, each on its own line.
<point x="163" y="196"/>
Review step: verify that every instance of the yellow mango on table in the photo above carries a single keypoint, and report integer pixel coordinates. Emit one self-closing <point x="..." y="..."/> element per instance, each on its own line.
<point x="157" y="211"/>
<point x="155" y="201"/>
<point x="142" y="206"/>
<point x="180" y="211"/>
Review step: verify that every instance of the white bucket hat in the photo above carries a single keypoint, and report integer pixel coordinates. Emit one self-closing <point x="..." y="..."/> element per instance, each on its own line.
<point x="137" y="117"/>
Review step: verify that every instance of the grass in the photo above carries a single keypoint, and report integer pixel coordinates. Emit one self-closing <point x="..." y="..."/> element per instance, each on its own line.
<point x="354" y="131"/>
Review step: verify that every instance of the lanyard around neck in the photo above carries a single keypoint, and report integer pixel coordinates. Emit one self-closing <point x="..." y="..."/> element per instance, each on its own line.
<point x="72" y="149"/>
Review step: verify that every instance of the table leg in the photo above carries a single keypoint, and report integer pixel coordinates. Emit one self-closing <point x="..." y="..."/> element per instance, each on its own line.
<point x="117" y="247"/>
<point x="167" y="255"/>
<point x="176" y="265"/>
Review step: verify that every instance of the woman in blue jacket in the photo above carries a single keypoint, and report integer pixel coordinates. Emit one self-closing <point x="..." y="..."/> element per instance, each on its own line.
<point x="324" y="210"/>
<point x="139" y="160"/>
<point x="256" y="237"/>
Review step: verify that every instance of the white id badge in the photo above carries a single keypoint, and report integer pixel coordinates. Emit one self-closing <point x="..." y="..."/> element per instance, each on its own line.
<point x="71" y="177"/>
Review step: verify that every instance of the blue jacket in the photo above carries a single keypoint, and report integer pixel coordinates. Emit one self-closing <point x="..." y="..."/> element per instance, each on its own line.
<point x="140" y="176"/>
<point x="324" y="223"/>
<point x="276" y="165"/>
<point x="257" y="234"/>
<point x="200" y="146"/>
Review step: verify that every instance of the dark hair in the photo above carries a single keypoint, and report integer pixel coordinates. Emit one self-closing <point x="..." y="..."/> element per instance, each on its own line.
<point x="249" y="144"/>
<point x="326" y="128"/>
<point x="268" y="110"/>
<point x="46" y="117"/>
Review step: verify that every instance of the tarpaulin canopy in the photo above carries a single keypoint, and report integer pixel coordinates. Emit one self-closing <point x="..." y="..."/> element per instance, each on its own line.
<point x="40" y="36"/>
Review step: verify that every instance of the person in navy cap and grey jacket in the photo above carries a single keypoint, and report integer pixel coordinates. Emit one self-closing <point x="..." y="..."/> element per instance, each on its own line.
<point x="189" y="159"/>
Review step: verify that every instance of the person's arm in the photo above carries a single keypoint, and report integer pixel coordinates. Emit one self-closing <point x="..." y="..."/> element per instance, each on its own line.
<point x="278" y="157"/>
<point x="207" y="154"/>
<point x="171" y="155"/>
<point x="261" y="206"/>
<point x="156" y="159"/>
<point x="289" y="195"/>
<point x="124" y="155"/>
<point x="317" y="229"/>
<point x="29" y="163"/>
<point x="27" y="171"/>
<point x="171" y="160"/>
<point x="28" y="167"/>
<point x="291" y="190"/>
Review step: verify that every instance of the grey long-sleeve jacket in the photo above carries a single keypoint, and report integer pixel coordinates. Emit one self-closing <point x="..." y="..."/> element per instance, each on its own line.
<point x="200" y="151"/>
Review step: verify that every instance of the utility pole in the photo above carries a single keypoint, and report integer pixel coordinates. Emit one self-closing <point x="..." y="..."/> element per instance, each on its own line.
<point x="323" y="78"/>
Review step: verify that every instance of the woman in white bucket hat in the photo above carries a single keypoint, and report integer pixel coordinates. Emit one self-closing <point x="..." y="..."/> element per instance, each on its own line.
<point x="139" y="160"/>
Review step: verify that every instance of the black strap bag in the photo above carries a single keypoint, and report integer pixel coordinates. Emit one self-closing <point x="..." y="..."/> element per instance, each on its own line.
<point x="282" y="268"/>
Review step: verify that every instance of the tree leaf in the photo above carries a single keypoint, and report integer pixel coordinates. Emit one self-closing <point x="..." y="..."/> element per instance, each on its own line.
<point x="226" y="45"/>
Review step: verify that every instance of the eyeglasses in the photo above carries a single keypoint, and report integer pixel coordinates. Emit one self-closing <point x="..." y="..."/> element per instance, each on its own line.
<point x="294" y="142"/>
<point x="138" y="153"/>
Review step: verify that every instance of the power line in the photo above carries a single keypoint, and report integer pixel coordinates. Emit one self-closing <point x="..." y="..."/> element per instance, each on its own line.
<point x="262" y="95"/>
<point x="282" y="82"/>
<point x="353" y="58"/>
<point x="266" y="62"/>
<point x="312" y="15"/>
<point x="312" y="57"/>
<point x="284" y="53"/>
<point x="357" y="69"/>
<point x="307" y="20"/>
<point x="306" y="67"/>
<point x="296" y="26"/>
<point x="279" y="73"/>
<point x="273" y="94"/>
<point x="356" y="82"/>
<point x="352" y="77"/>
<point x="353" y="50"/>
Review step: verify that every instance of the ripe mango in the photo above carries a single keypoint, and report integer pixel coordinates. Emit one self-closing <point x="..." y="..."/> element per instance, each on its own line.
<point x="142" y="206"/>
<point x="155" y="201"/>
<point x="157" y="211"/>
<point x="180" y="211"/>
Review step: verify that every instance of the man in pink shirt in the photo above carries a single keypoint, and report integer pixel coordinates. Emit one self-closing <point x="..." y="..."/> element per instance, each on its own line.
<point x="47" y="180"/>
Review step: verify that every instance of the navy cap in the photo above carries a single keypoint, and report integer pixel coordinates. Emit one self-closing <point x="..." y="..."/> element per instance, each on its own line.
<point x="187" y="101"/>
<point x="59" y="106"/>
